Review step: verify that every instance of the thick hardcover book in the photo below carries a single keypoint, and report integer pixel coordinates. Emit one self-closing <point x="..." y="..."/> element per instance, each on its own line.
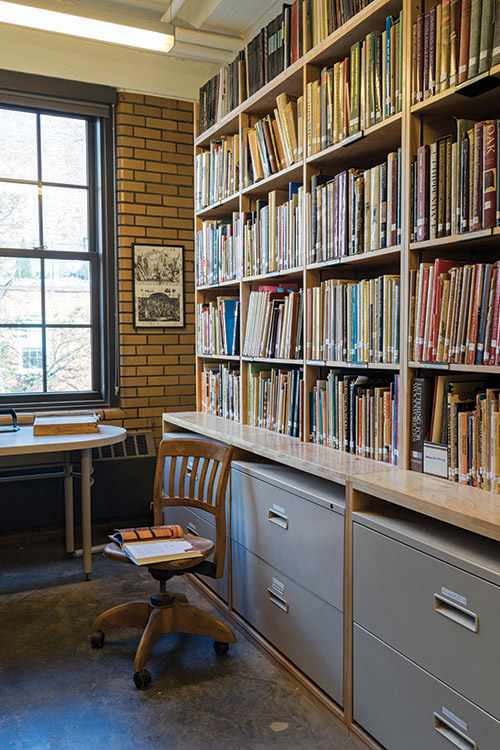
<point x="420" y="57"/>
<point x="495" y="50"/>
<point x="475" y="33"/>
<point x="477" y="180"/>
<point x="465" y="24"/>
<point x="454" y="40"/>
<point x="486" y="36"/>
<point x="490" y="175"/>
<point x="433" y="49"/>
<point x="74" y="424"/>
<point x="422" y="193"/>
<point x="422" y="390"/>
<point x="153" y="552"/>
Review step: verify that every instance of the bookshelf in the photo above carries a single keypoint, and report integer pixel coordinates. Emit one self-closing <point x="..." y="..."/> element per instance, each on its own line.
<point x="418" y="123"/>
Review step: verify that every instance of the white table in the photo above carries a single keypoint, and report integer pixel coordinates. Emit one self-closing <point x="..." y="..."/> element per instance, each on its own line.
<point x="23" y="442"/>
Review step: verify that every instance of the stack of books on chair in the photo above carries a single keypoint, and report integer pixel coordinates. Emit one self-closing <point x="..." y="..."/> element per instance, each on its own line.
<point x="455" y="182"/>
<point x="356" y="211"/>
<point x="271" y="233"/>
<point x="154" y="544"/>
<point x="356" y="414"/>
<point x="452" y="42"/>
<point x="274" y="323"/>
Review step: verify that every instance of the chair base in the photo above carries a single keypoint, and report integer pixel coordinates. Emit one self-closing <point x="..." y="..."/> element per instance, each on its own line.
<point x="175" y="616"/>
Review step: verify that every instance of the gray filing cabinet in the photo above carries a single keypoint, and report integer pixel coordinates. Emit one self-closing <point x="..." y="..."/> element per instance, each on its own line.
<point x="426" y="635"/>
<point x="287" y="534"/>
<point x="198" y="522"/>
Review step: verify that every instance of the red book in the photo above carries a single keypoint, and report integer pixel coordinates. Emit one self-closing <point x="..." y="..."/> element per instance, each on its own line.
<point x="395" y="200"/>
<point x="423" y="315"/>
<point x="490" y="176"/>
<point x="294" y="50"/>
<point x="422" y="193"/>
<point x="440" y="266"/>
<point x="463" y="59"/>
<point x="476" y="305"/>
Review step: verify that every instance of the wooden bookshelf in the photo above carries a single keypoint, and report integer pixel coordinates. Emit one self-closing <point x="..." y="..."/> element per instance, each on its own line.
<point x="416" y="124"/>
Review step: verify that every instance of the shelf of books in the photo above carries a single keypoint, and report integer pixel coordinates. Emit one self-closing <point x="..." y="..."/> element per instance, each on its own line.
<point x="348" y="234"/>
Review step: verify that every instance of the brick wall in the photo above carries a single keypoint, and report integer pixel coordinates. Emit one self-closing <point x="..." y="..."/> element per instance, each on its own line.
<point x="154" y="140"/>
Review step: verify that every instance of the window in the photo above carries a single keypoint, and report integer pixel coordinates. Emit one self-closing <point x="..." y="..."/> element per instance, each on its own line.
<point x="56" y="281"/>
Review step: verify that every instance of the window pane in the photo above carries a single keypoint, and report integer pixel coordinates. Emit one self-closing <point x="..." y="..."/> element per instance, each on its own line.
<point x="19" y="216"/>
<point x="64" y="149"/>
<point x="69" y="359"/>
<point x="18" y="145"/>
<point x="67" y="291"/>
<point x="65" y="219"/>
<point x="20" y="360"/>
<point x="20" y="291"/>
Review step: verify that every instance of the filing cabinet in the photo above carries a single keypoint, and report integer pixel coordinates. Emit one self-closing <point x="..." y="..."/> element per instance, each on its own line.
<point x="287" y="532"/>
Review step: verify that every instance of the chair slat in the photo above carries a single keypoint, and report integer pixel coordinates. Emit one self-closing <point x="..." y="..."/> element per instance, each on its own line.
<point x="182" y="477"/>
<point x="171" y="478"/>
<point x="213" y="474"/>
<point x="201" y="484"/>
<point x="192" y="481"/>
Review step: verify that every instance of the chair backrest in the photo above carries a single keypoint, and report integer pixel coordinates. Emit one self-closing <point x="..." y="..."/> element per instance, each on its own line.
<point x="197" y="476"/>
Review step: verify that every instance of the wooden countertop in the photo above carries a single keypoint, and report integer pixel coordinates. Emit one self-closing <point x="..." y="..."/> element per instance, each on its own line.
<point x="466" y="507"/>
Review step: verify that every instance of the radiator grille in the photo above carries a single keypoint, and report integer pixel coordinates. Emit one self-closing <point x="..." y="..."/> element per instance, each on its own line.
<point x="135" y="445"/>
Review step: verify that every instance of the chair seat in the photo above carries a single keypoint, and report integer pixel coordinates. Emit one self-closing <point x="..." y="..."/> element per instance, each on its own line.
<point x="113" y="552"/>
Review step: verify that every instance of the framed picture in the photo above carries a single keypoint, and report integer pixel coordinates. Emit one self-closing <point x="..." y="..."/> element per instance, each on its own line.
<point x="158" y="272"/>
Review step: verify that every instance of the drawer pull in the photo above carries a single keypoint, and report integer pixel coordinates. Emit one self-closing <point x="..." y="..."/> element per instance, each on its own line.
<point x="274" y="516"/>
<point x="453" y="735"/>
<point x="278" y="600"/>
<point x="192" y="529"/>
<point x="458" y="614"/>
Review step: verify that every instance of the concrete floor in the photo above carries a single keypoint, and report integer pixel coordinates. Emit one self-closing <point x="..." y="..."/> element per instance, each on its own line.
<point x="57" y="693"/>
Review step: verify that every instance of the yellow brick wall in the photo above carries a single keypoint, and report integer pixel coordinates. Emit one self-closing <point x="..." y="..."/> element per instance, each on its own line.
<point x="154" y="146"/>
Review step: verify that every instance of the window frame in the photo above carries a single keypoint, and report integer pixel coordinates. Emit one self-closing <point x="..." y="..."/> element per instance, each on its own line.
<point x="101" y="217"/>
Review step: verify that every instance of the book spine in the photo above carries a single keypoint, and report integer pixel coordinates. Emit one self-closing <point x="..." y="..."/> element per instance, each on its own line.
<point x="465" y="24"/>
<point x="422" y="193"/>
<point x="490" y="175"/>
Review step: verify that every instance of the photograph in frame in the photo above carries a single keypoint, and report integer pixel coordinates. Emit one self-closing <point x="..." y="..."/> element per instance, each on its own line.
<point x="158" y="273"/>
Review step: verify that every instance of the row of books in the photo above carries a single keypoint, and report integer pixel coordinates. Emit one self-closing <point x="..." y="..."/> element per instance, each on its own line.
<point x="223" y="92"/>
<point x="356" y="414"/>
<point x="274" y="323"/>
<point x="217" y="172"/>
<point x="220" y="391"/>
<point x="454" y="313"/>
<point x="356" y="211"/>
<point x="218" y="326"/>
<point x="274" y="142"/>
<point x="461" y="413"/>
<point x="218" y="254"/>
<point x="357" y="92"/>
<point x="454" y="183"/>
<point x="275" y="399"/>
<point x="272" y="233"/>
<point x="298" y="27"/>
<point x="354" y="321"/>
<point x="453" y="41"/>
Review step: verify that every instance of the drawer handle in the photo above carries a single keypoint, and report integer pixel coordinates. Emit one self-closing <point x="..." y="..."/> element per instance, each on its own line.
<point x="279" y="519"/>
<point x="279" y="601"/>
<point x="192" y="529"/>
<point x="453" y="735"/>
<point x="458" y="614"/>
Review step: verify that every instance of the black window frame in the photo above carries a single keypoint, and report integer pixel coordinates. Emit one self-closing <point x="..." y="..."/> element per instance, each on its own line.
<point x="95" y="104"/>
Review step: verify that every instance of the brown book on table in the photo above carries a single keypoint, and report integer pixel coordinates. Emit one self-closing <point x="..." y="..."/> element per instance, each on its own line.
<point x="74" y="424"/>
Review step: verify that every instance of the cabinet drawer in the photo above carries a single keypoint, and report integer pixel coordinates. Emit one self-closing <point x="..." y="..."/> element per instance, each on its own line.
<point x="300" y="537"/>
<point x="301" y="625"/>
<point x="439" y="616"/>
<point x="406" y="708"/>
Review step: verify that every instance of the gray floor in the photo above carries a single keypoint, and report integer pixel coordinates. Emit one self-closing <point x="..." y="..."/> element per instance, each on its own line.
<point x="56" y="693"/>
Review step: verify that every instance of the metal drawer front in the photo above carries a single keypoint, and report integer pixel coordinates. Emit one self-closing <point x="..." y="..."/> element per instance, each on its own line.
<point x="405" y="708"/>
<point x="444" y="619"/>
<point x="199" y="527"/>
<point x="301" y="625"/>
<point x="295" y="535"/>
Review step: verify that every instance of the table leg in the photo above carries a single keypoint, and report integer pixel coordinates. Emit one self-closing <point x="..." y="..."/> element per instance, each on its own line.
<point x="86" y="468"/>
<point x="68" y="506"/>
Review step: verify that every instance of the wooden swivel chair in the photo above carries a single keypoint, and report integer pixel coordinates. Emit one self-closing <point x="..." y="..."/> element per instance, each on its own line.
<point x="204" y="468"/>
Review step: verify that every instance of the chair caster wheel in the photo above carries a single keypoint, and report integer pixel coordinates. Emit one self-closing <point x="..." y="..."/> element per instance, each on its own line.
<point x="142" y="679"/>
<point x="221" y="648"/>
<point x="97" y="639"/>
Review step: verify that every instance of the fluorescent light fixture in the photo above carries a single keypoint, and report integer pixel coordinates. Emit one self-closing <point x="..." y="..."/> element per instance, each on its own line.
<point x="88" y="28"/>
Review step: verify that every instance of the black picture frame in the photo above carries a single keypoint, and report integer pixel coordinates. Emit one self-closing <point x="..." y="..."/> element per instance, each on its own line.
<point x="158" y="285"/>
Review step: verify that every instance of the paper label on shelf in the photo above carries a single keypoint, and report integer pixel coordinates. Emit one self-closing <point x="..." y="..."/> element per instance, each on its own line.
<point x="278" y="586"/>
<point x="449" y="715"/>
<point x="452" y="595"/>
<point x="436" y="460"/>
